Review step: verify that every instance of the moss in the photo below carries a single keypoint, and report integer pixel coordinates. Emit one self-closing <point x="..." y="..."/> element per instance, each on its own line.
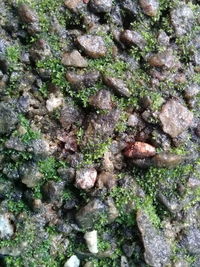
<point x="13" y="54"/>
<point x="48" y="168"/>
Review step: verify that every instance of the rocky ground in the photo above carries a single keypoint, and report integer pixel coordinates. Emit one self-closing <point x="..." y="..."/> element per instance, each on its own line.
<point x="99" y="133"/>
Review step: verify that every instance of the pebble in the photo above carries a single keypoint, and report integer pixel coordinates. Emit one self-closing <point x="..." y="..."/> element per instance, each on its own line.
<point x="73" y="261"/>
<point x="139" y="150"/>
<point x="117" y="85"/>
<point x="85" y="178"/>
<point x="149" y="7"/>
<point x="6" y="228"/>
<point x="91" y="240"/>
<point x="74" y="59"/>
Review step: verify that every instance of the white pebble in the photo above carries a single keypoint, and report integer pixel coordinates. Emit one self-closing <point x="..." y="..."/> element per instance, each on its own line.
<point x="53" y="102"/>
<point x="73" y="261"/>
<point x="91" y="240"/>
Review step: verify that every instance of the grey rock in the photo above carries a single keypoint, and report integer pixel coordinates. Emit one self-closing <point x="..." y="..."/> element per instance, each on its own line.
<point x="8" y="118"/>
<point x="124" y="262"/>
<point x="70" y="114"/>
<point x="6" y="227"/>
<point x="131" y="7"/>
<point x="163" y="38"/>
<point x="73" y="261"/>
<point x="30" y="175"/>
<point x="90" y="214"/>
<point x="157" y="250"/>
<point x="74" y="59"/>
<point x="101" y="6"/>
<point x="102" y="100"/>
<point x="53" y="191"/>
<point x="182" y="19"/>
<point x="117" y="85"/>
<point x="133" y="38"/>
<point x="191" y="91"/>
<point x="39" y="147"/>
<point x="175" y="118"/>
<point x="67" y="174"/>
<point x="26" y="14"/>
<point x="149" y="7"/>
<point x="167" y="160"/>
<point x="191" y="240"/>
<point x="92" y="45"/>
<point x="40" y="50"/>
<point x="15" y="143"/>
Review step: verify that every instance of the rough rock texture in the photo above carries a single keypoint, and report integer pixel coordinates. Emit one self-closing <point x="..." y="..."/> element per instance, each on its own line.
<point x="101" y="6"/>
<point x="6" y="227"/>
<point x="157" y="250"/>
<point x="91" y="240"/>
<point x="74" y="59"/>
<point x="182" y="19"/>
<point x="139" y="150"/>
<point x="92" y="45"/>
<point x="8" y="118"/>
<point x="163" y="59"/>
<point x="175" y="118"/>
<point x="101" y="100"/>
<point x="85" y="178"/>
<point x="117" y="85"/>
<point x="73" y="261"/>
<point x="149" y="7"/>
<point x="133" y="38"/>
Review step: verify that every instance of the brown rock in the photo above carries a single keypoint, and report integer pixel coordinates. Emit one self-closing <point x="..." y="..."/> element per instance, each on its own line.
<point x="26" y="14"/>
<point x="74" y="5"/>
<point x="167" y="160"/>
<point x="175" y="118"/>
<point x="132" y="38"/>
<point x="92" y="45"/>
<point x="83" y="80"/>
<point x="117" y="85"/>
<point x="74" y="59"/>
<point x="163" y="59"/>
<point x="150" y="7"/>
<point x="139" y="150"/>
<point x="101" y="100"/>
<point x="106" y="179"/>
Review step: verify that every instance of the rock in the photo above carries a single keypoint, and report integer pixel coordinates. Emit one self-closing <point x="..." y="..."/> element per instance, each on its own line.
<point x="113" y="213"/>
<point x="6" y="227"/>
<point x="167" y="160"/>
<point x="70" y="114"/>
<point x="91" y="240"/>
<point x="106" y="179"/>
<point x="139" y="150"/>
<point x="54" y="102"/>
<point x="90" y="214"/>
<point x="163" y="38"/>
<point x="133" y="38"/>
<point x="157" y="250"/>
<point x="53" y="191"/>
<point x="73" y="261"/>
<point x="67" y="174"/>
<point x="133" y="120"/>
<point x="15" y="143"/>
<point x="92" y="45"/>
<point x="102" y="100"/>
<point x="101" y="6"/>
<point x="181" y="263"/>
<point x="191" y="91"/>
<point x="182" y="19"/>
<point x="149" y="7"/>
<point x="83" y="80"/>
<point x="85" y="178"/>
<point x="8" y="118"/>
<point x="193" y="183"/>
<point x="74" y="59"/>
<point x="39" y="147"/>
<point x="175" y="118"/>
<point x="26" y="14"/>
<point x="117" y="85"/>
<point x="124" y="262"/>
<point x="130" y="7"/>
<point x="40" y="51"/>
<point x="163" y="59"/>
<point x="101" y="126"/>
<point x="75" y="5"/>
<point x="30" y="174"/>
<point x="191" y="240"/>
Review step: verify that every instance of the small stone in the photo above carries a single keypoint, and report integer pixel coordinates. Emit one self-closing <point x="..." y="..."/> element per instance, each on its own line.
<point x="74" y="59"/>
<point x="150" y="7"/>
<point x="6" y="228"/>
<point x="167" y="160"/>
<point x="157" y="250"/>
<point x="124" y="262"/>
<point x="83" y="80"/>
<point x="26" y="14"/>
<point x="75" y="5"/>
<point x="85" y="178"/>
<point x="175" y="118"/>
<point x="101" y="100"/>
<point x="8" y="118"/>
<point x="163" y="38"/>
<point x="90" y="214"/>
<point x="101" y="6"/>
<point x="191" y="91"/>
<point x="193" y="183"/>
<point x="139" y="150"/>
<point x="106" y="179"/>
<point x="163" y="59"/>
<point x="133" y="38"/>
<point x="73" y="261"/>
<point x="92" y="45"/>
<point x="39" y="147"/>
<point x="191" y="240"/>
<point x="91" y="240"/>
<point x="30" y="174"/>
<point x="117" y="85"/>
<point x="182" y="19"/>
<point x="133" y="120"/>
<point x="54" y="102"/>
